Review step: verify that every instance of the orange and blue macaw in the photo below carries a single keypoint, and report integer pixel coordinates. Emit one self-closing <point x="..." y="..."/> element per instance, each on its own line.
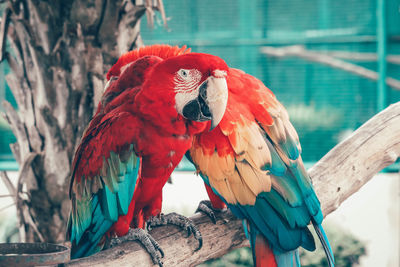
<point x="252" y="163"/>
<point x="156" y="99"/>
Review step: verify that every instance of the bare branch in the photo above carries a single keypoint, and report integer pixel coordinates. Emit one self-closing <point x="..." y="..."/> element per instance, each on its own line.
<point x="17" y="127"/>
<point x="359" y="56"/>
<point x="7" y="206"/>
<point x="160" y="7"/>
<point x="24" y="171"/>
<point x="16" y="152"/>
<point x="218" y="239"/>
<point x="29" y="220"/>
<point x="2" y="196"/>
<point x="7" y="182"/>
<point x="352" y="163"/>
<point x="336" y="176"/>
<point x="3" y="32"/>
<point x="301" y="52"/>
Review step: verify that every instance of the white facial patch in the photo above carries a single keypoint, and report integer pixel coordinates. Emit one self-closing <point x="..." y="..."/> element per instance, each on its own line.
<point x="186" y="87"/>
<point x="219" y="74"/>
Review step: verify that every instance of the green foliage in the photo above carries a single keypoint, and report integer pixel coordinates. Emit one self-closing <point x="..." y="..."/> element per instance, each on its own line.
<point x="316" y="127"/>
<point x="312" y="119"/>
<point x="347" y="250"/>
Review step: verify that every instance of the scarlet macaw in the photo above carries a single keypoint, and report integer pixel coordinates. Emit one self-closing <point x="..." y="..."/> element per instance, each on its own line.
<point x="156" y="99"/>
<point x="251" y="161"/>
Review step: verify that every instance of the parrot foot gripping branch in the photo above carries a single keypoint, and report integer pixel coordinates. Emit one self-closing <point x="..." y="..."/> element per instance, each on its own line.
<point x="138" y="234"/>
<point x="178" y="220"/>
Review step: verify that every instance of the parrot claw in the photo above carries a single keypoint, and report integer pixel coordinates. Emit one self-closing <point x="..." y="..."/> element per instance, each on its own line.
<point x="178" y="220"/>
<point x="151" y="246"/>
<point x="206" y="208"/>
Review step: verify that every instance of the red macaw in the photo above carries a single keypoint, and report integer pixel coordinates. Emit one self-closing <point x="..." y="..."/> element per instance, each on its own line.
<point x="156" y="99"/>
<point x="251" y="162"/>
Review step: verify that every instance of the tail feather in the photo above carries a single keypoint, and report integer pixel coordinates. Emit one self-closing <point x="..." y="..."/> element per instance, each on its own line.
<point x="290" y="258"/>
<point x="325" y="243"/>
<point x="264" y="257"/>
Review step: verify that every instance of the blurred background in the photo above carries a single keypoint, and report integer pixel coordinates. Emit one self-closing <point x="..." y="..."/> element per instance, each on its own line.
<point x="327" y="62"/>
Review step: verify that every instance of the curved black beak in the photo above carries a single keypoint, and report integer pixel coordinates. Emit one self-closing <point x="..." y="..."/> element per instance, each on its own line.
<point x="210" y="103"/>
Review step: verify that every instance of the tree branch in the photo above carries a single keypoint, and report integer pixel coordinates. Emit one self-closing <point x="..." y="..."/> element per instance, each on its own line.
<point x="336" y="176"/>
<point x="3" y="32"/>
<point x="323" y="58"/>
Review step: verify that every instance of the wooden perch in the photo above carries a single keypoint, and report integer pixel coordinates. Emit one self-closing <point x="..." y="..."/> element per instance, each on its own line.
<point x="336" y="176"/>
<point x="360" y="56"/>
<point x="323" y="58"/>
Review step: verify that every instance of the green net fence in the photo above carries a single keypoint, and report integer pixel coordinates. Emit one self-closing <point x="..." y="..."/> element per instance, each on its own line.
<point x="325" y="103"/>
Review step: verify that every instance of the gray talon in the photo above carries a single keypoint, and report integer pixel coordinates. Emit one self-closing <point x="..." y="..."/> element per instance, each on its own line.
<point x="178" y="220"/>
<point x="206" y="208"/>
<point x="138" y="234"/>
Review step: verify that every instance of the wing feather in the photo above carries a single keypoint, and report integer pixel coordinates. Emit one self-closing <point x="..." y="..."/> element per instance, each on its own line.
<point x="102" y="192"/>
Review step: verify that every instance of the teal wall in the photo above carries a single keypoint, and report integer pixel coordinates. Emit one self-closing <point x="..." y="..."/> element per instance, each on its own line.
<point x="325" y="103"/>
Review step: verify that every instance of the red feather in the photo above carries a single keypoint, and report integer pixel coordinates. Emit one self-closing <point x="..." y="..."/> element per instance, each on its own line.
<point x="216" y="201"/>
<point x="264" y="255"/>
<point x="162" y="51"/>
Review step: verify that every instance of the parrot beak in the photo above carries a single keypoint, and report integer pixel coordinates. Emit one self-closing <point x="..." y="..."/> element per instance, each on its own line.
<point x="210" y="103"/>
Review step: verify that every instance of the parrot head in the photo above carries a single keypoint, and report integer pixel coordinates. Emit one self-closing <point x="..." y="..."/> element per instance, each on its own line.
<point x="196" y="84"/>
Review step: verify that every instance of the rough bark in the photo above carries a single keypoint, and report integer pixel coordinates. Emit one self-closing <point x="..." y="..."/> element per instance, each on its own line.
<point x="61" y="51"/>
<point x="339" y="174"/>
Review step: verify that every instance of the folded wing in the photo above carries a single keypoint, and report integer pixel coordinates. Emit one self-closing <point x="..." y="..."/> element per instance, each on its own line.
<point x="252" y="161"/>
<point x="105" y="172"/>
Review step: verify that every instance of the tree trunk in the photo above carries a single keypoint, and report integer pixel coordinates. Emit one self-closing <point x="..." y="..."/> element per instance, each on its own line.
<point x="61" y="51"/>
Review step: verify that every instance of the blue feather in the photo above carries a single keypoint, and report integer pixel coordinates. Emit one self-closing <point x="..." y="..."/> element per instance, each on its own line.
<point x="277" y="166"/>
<point x="290" y="148"/>
<point x="288" y="189"/>
<point x="314" y="207"/>
<point x="109" y="204"/>
<point x="123" y="195"/>
<point x="98" y="212"/>
<point x="287" y="259"/>
<point x="295" y="216"/>
<point x="325" y="243"/>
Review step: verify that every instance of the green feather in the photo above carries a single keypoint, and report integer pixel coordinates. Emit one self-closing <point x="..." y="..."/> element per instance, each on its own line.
<point x="295" y="216"/>
<point x="109" y="204"/>
<point x="277" y="166"/>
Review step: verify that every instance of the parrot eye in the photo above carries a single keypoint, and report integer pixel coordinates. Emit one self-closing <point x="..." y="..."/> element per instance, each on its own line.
<point x="183" y="73"/>
<point x="185" y="77"/>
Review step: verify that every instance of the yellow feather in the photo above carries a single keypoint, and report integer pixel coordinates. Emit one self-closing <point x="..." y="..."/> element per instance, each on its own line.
<point x="199" y="158"/>
<point x="224" y="189"/>
<point x="227" y="164"/>
<point x="241" y="191"/>
<point x="258" y="181"/>
<point x="239" y="146"/>
<point x="257" y="153"/>
<point x="281" y="130"/>
<point x="214" y="169"/>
